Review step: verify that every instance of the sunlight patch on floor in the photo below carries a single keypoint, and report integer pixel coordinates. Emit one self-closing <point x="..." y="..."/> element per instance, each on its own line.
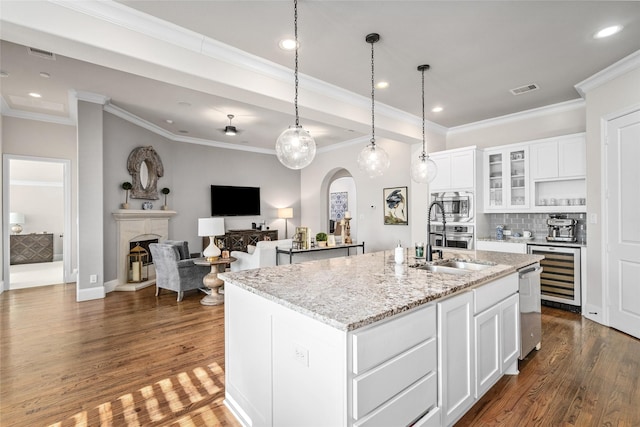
<point x="166" y="400"/>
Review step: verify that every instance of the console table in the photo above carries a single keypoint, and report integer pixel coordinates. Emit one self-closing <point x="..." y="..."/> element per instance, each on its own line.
<point x="291" y="252"/>
<point x="238" y="240"/>
<point x="30" y="248"/>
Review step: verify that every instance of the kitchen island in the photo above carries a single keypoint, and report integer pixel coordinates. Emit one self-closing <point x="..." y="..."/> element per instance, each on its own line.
<point x="361" y="341"/>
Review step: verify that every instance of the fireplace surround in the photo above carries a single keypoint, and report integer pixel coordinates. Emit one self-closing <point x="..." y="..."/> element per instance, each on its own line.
<point x="133" y="226"/>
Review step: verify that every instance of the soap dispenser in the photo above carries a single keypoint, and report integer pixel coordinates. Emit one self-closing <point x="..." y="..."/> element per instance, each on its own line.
<point x="399" y="253"/>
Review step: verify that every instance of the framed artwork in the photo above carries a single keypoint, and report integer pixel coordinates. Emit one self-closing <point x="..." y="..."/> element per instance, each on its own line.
<point x="338" y="205"/>
<point x="396" y="204"/>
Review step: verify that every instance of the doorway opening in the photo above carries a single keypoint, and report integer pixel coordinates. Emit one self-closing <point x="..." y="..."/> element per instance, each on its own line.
<point x="341" y="201"/>
<point x="37" y="213"/>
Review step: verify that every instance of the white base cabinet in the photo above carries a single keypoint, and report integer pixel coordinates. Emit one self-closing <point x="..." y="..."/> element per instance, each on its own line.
<point x="455" y="351"/>
<point x="425" y="367"/>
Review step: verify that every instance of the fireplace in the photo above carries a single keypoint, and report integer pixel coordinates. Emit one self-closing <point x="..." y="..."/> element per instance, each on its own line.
<point x="133" y="226"/>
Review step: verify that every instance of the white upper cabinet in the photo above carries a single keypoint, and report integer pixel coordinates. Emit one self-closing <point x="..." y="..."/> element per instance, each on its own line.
<point x="506" y="179"/>
<point x="561" y="158"/>
<point x="456" y="170"/>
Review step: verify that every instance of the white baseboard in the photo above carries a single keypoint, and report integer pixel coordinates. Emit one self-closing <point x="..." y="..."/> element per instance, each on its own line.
<point x="110" y="286"/>
<point x="90" y="294"/>
<point x="594" y="313"/>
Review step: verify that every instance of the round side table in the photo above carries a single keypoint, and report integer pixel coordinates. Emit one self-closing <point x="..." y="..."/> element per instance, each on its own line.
<point x="212" y="281"/>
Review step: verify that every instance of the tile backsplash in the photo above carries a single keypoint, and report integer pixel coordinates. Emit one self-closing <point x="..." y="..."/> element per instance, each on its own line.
<point x="534" y="222"/>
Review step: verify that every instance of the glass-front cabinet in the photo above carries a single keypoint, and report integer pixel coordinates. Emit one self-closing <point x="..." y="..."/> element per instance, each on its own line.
<point x="506" y="179"/>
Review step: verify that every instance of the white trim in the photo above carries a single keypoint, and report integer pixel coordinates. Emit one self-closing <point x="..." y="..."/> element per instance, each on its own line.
<point x="613" y="71"/>
<point x="361" y="140"/>
<point x="167" y="32"/>
<point x="7" y="111"/>
<point x="573" y="104"/>
<point x="132" y="118"/>
<point x="26" y="183"/>
<point x="88" y="294"/>
<point x="92" y="97"/>
<point x="110" y="286"/>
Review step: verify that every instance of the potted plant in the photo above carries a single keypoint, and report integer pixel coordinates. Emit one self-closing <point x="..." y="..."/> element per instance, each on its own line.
<point x="126" y="186"/>
<point x="165" y="191"/>
<point x="321" y="238"/>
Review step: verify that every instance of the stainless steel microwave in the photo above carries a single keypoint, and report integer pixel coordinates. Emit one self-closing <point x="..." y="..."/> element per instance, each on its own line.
<point x="458" y="206"/>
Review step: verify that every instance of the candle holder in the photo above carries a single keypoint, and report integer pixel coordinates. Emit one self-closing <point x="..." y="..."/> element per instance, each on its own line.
<point x="347" y="231"/>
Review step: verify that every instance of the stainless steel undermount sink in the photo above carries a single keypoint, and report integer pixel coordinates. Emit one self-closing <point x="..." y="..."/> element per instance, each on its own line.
<point x="455" y="267"/>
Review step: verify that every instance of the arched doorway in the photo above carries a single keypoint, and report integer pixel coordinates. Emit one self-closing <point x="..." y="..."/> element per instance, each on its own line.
<point x="341" y="197"/>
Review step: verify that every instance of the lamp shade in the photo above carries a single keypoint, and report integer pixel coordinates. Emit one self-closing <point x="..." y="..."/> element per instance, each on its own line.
<point x="285" y="213"/>
<point x="16" y="218"/>
<point x="210" y="227"/>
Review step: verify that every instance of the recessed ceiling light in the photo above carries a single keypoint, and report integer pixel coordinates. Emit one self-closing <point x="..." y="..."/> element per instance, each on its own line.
<point x="183" y="131"/>
<point x="184" y="104"/>
<point x="4" y="74"/>
<point x="609" y="31"/>
<point x="35" y="95"/>
<point x="44" y="75"/>
<point x="437" y="109"/>
<point x="382" y="85"/>
<point x="169" y="121"/>
<point x="287" y="44"/>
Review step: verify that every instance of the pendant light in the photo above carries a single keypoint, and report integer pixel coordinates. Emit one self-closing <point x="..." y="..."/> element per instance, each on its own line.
<point x="423" y="169"/>
<point x="373" y="160"/>
<point x="295" y="147"/>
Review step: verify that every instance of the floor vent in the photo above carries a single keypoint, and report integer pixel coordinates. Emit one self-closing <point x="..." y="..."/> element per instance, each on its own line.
<point x="524" y="89"/>
<point x="42" y="53"/>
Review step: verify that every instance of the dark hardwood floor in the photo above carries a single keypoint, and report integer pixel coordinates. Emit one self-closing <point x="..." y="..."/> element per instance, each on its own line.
<point x="132" y="359"/>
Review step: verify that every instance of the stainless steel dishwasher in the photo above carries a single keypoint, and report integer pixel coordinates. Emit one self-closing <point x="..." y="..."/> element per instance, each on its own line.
<point x="530" y="314"/>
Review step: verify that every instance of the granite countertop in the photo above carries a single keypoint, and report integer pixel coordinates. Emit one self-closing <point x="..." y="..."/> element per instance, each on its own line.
<point x="348" y="293"/>
<point x="532" y="241"/>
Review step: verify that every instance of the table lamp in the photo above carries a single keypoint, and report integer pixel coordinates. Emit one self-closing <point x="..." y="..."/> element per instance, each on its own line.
<point x="211" y="227"/>
<point x="285" y="213"/>
<point x="16" y="219"/>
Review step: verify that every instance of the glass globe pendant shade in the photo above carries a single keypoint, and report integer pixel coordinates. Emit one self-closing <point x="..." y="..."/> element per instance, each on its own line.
<point x="373" y="160"/>
<point x="295" y="148"/>
<point x="423" y="169"/>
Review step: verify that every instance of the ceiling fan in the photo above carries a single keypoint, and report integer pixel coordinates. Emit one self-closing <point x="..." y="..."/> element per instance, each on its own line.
<point x="230" y="129"/>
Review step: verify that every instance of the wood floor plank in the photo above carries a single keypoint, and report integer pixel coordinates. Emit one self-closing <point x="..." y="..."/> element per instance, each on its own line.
<point x="135" y="359"/>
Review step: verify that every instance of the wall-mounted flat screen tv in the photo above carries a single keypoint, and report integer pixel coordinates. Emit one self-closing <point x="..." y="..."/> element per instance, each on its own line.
<point x="229" y="200"/>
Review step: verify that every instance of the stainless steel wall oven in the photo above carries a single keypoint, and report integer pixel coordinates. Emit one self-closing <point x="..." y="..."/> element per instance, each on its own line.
<point x="458" y="236"/>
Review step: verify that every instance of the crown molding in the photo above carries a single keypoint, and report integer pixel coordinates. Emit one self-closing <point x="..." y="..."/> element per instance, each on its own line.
<point x="7" y="111"/>
<point x="521" y="115"/>
<point x="132" y="118"/>
<point x="626" y="64"/>
<point x="123" y="16"/>
<point x="94" y="98"/>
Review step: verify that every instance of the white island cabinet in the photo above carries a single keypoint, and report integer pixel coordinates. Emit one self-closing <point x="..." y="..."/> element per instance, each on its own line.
<point x="363" y="342"/>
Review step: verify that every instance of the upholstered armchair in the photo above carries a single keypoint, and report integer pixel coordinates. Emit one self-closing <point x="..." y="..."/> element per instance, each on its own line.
<point x="263" y="254"/>
<point x="174" y="269"/>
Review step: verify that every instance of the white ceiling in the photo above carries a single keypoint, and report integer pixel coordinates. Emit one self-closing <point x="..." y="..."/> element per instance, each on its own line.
<point x="478" y="51"/>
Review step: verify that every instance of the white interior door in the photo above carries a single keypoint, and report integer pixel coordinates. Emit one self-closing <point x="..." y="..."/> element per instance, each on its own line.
<point x="623" y="224"/>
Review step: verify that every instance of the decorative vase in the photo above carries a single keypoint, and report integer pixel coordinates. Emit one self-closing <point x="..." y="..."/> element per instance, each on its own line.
<point x="322" y="243"/>
<point x="147" y="206"/>
<point x="165" y="207"/>
<point x="125" y="206"/>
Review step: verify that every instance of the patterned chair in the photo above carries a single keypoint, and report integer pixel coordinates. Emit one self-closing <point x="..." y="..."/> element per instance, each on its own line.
<point x="175" y="271"/>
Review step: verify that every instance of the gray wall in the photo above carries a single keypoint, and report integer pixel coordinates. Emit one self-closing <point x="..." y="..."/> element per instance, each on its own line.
<point x="189" y="171"/>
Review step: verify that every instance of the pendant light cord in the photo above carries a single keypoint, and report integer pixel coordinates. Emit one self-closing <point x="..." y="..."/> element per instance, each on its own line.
<point x="423" y="136"/>
<point x="373" y="116"/>
<point x="295" y="34"/>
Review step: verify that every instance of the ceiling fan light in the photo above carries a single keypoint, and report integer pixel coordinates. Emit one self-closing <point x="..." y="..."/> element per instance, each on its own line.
<point x="373" y="160"/>
<point x="230" y="130"/>
<point x="295" y="148"/>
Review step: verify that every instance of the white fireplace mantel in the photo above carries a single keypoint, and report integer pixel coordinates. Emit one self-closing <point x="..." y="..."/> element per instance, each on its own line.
<point x="132" y="224"/>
